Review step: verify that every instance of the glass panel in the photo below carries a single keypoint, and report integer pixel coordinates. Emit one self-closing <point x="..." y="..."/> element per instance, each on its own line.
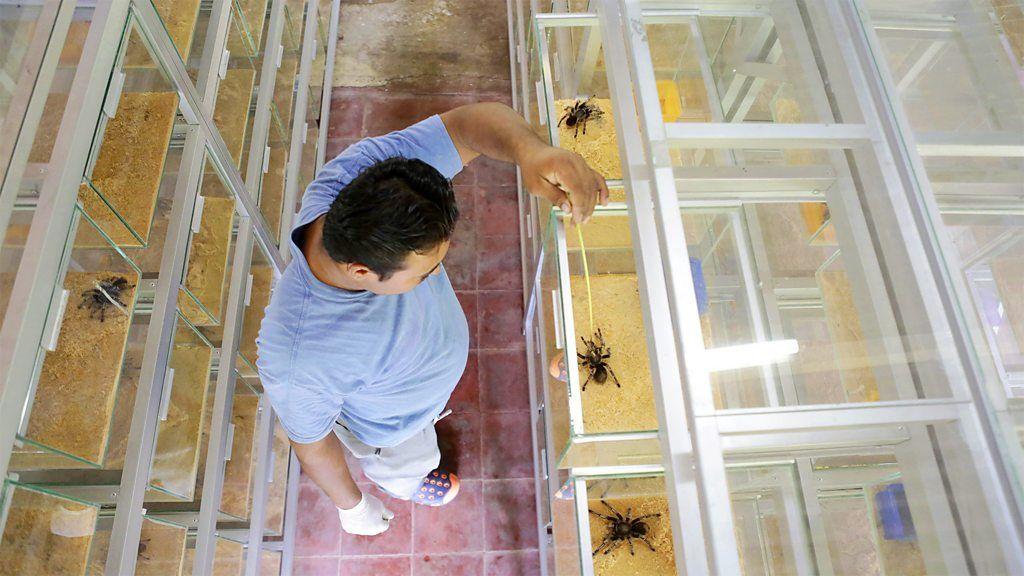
<point x="129" y="161"/>
<point x="873" y="490"/>
<point x="236" y="94"/>
<point x="161" y="547"/>
<point x="45" y="533"/>
<point x="251" y="26"/>
<point x="318" y="70"/>
<point x="210" y="251"/>
<point x="307" y="166"/>
<point x="270" y="563"/>
<point x="238" y="471"/>
<point x="278" y="489"/>
<point x="642" y="502"/>
<point x="565" y="532"/>
<point x="617" y="394"/>
<point x="180" y="19"/>
<point x="78" y="382"/>
<point x="228" y="558"/>
<point x="577" y="104"/>
<point x="176" y="456"/>
<point x="602" y="408"/>
<point x="14" y="226"/>
<point x="22" y="37"/>
<point x="967" y="135"/>
<point x="261" y="281"/>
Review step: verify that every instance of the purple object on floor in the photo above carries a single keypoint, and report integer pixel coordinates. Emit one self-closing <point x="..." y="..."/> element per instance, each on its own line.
<point x="697" y="271"/>
<point x="895" y="513"/>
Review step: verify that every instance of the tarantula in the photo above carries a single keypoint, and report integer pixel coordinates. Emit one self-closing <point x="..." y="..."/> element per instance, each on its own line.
<point x="623" y="528"/>
<point x="595" y="361"/>
<point x="577" y="115"/>
<point x="105" y="294"/>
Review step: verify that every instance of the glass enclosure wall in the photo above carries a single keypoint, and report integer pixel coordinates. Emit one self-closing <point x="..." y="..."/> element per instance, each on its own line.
<point x="805" y="284"/>
<point x="149" y="159"/>
<point x="966" y="142"/>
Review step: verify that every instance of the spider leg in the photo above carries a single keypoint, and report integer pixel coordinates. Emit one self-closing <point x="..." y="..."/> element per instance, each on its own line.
<point x="646" y="516"/>
<point x="617" y="515"/>
<point x="589" y="376"/>
<point x="614" y="377"/>
<point x="606" y="542"/>
<point x="603" y="516"/>
<point x="615" y="544"/>
<point x="632" y="552"/>
<point x="648" y="542"/>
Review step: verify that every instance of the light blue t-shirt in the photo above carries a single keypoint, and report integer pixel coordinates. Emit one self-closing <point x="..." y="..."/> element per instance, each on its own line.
<point x="384" y="365"/>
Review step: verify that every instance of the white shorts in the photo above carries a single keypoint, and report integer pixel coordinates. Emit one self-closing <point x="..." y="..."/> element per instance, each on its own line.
<point x="398" y="470"/>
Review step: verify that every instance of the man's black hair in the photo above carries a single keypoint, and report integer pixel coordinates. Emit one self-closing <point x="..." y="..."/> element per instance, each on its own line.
<point x="392" y="208"/>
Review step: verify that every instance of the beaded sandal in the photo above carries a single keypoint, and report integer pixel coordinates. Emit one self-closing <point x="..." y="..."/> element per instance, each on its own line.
<point x="438" y="488"/>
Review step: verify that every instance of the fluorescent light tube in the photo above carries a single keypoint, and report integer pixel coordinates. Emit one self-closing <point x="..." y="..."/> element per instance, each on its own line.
<point x="747" y="355"/>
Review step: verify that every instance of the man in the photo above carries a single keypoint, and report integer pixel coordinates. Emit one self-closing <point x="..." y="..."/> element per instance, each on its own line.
<point x="364" y="340"/>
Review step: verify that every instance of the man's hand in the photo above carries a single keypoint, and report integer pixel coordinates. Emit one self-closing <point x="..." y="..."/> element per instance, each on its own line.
<point x="497" y="131"/>
<point x="368" y="518"/>
<point x="564" y="179"/>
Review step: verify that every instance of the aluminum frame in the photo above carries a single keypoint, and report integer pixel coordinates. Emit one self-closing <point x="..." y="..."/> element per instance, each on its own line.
<point x="866" y="142"/>
<point x="74" y="140"/>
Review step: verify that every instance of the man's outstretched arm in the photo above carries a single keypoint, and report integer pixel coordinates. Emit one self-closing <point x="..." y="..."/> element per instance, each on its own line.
<point x="498" y="132"/>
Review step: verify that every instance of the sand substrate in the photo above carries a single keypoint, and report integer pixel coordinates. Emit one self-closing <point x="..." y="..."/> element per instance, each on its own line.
<point x="619" y="562"/>
<point x="176" y="459"/>
<point x="209" y="253"/>
<point x="46" y="535"/>
<point x="238" y="471"/>
<point x="606" y="407"/>
<point x="74" y="400"/>
<point x="599" y="146"/>
<point x="130" y="165"/>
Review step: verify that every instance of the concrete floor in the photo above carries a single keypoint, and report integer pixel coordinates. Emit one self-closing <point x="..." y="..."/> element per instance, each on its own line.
<point x="399" y="61"/>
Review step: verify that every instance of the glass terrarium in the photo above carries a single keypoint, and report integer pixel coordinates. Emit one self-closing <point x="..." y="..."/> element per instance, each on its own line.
<point x="270" y="563"/>
<point x="210" y="251"/>
<point x="860" y="503"/>
<point x="599" y="390"/>
<point x="20" y="195"/>
<point x="310" y="141"/>
<point x="49" y="533"/>
<point x="257" y="296"/>
<point x="228" y="558"/>
<point x="161" y="547"/>
<point x="593" y="514"/>
<point x="187" y="24"/>
<point x="968" y="138"/>
<point x="182" y="410"/>
<point x="277" y="492"/>
<point x="236" y="495"/>
<point x="93" y="321"/>
<point x="130" y="158"/>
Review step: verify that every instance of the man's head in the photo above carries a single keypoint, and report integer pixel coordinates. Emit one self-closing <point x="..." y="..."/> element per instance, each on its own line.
<point x="390" y="227"/>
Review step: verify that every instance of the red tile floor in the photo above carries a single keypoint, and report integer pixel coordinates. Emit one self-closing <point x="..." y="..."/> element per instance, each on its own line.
<point x="491" y="527"/>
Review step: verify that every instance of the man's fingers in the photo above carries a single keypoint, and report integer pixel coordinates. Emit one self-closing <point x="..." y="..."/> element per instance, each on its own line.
<point x="605" y="195"/>
<point x="552" y="193"/>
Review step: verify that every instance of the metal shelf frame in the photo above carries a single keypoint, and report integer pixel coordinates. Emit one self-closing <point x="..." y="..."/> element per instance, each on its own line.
<point x="27" y="316"/>
<point x="860" y="130"/>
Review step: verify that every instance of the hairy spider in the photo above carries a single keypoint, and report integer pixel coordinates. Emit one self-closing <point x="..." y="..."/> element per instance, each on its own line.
<point x="577" y="115"/>
<point x="623" y="529"/>
<point x="143" y="547"/>
<point x="105" y="294"/>
<point x="595" y="360"/>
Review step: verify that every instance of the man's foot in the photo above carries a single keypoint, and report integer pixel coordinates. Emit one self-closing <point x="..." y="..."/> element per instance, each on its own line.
<point x="438" y="488"/>
<point x="557" y="368"/>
